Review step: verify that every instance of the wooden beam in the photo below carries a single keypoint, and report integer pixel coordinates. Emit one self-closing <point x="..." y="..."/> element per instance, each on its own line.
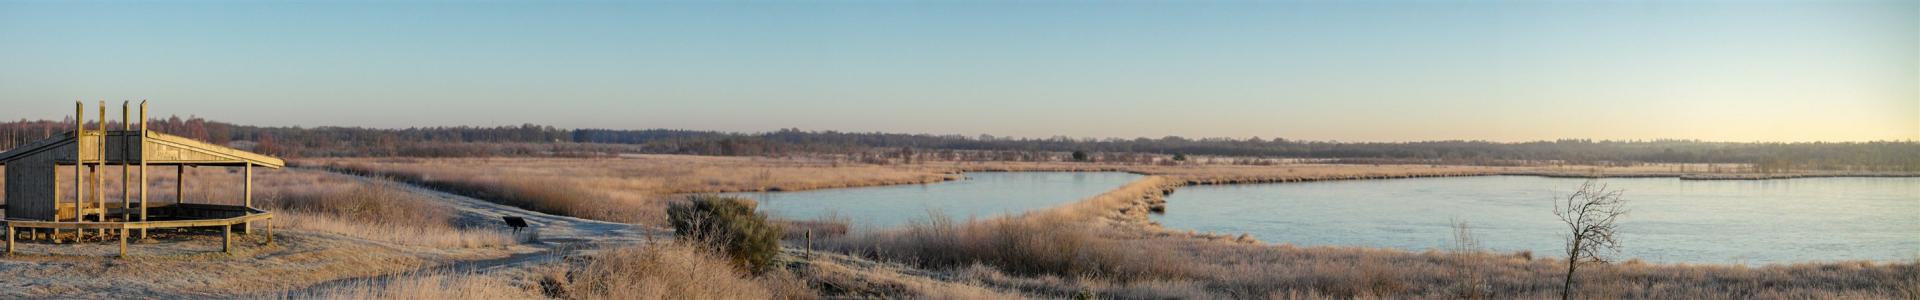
<point x="10" y="239"/>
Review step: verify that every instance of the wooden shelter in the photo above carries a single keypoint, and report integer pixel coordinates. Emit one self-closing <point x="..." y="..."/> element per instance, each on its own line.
<point x="34" y="186"/>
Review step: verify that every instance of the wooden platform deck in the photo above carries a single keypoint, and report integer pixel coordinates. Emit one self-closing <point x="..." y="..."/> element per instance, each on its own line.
<point x="245" y="216"/>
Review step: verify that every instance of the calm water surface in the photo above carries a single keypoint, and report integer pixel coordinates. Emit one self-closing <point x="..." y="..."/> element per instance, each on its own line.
<point x="1672" y="220"/>
<point x="980" y="195"/>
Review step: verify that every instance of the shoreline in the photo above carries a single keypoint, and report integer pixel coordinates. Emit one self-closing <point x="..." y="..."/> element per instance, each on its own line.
<point x="1129" y="207"/>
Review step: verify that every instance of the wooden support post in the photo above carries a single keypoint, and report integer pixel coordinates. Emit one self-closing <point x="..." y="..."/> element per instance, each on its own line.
<point x="9" y="239"/>
<point x="226" y="238"/>
<point x="79" y="159"/>
<point x="126" y="173"/>
<point x="143" y="167"/>
<point x="96" y="182"/>
<point x="33" y="234"/>
<point x="179" y="184"/>
<point x="246" y="189"/>
<point x="100" y="180"/>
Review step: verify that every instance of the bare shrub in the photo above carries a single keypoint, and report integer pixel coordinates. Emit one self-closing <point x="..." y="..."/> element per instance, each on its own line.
<point x="1472" y="283"/>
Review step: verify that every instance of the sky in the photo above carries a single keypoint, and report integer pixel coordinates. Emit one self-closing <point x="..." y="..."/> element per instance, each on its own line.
<point x="1347" y="71"/>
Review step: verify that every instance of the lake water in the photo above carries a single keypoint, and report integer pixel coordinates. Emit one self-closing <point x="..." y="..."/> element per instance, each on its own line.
<point x="980" y="195"/>
<point x="1672" y="220"/>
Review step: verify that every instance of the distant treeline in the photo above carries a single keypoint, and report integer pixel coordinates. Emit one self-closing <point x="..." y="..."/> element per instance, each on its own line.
<point x="547" y="140"/>
<point x="1888" y="156"/>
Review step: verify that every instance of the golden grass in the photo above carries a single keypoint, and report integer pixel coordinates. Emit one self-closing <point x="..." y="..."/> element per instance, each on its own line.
<point x="372" y="210"/>
<point x="632" y="189"/>
<point x="427" y="286"/>
<point x="840" y="276"/>
<point x="433" y="236"/>
<point x="665" y="270"/>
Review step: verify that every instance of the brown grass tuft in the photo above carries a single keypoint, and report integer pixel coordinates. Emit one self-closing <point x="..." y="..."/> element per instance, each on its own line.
<point x="658" y="271"/>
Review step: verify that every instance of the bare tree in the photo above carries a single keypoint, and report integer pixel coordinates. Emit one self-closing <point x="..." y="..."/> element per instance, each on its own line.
<point x="1589" y="214"/>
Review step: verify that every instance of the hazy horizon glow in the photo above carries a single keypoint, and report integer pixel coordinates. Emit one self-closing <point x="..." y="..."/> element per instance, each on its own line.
<point x="1349" y="71"/>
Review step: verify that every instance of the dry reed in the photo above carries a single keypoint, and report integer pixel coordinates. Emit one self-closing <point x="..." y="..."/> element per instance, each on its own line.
<point x="666" y="270"/>
<point x="426" y="286"/>
<point x="633" y="189"/>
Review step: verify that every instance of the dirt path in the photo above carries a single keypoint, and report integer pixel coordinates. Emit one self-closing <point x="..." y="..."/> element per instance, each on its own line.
<point x="553" y="236"/>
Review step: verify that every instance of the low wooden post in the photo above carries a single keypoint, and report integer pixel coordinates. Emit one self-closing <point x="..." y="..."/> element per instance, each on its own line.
<point x="226" y="238"/>
<point x="9" y="239"/>
<point x="123" y="242"/>
<point x="267" y="228"/>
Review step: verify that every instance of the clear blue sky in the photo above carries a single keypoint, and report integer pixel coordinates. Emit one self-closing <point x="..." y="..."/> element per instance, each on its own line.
<point x="1366" y="71"/>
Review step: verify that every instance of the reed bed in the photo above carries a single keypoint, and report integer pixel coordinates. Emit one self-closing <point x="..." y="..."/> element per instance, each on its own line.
<point x="360" y="208"/>
<point x="632" y="189"/>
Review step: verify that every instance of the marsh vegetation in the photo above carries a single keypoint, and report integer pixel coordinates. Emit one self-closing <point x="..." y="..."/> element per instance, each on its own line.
<point x="1103" y="246"/>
